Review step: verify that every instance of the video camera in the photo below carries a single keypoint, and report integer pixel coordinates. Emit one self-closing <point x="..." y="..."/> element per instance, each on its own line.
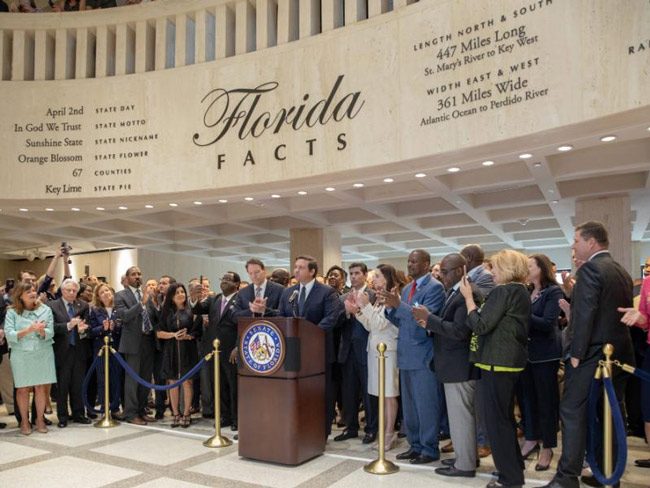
<point x="65" y="251"/>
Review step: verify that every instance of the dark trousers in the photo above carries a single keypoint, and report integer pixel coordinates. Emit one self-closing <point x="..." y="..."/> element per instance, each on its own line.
<point x="159" y="380"/>
<point x="70" y="372"/>
<point x="330" y="413"/>
<point x="497" y="393"/>
<point x="115" y="384"/>
<point x="228" y="388"/>
<point x="207" y="388"/>
<point x="355" y="386"/>
<point x="135" y="395"/>
<point x="573" y="413"/>
<point x="541" y="402"/>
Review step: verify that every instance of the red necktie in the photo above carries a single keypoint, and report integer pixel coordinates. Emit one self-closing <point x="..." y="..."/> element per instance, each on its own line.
<point x="412" y="292"/>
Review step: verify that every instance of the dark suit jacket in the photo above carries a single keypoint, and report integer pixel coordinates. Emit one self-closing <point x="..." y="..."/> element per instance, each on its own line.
<point x="61" y="332"/>
<point x="602" y="285"/>
<point x="129" y="311"/>
<point x="451" y="341"/>
<point x="97" y="332"/>
<point x="354" y="336"/>
<point x="222" y="327"/>
<point x="544" y="339"/>
<point x="323" y="307"/>
<point x="272" y="293"/>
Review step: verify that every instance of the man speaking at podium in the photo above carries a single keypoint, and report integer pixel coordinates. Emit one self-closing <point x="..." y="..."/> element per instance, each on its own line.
<point x="320" y="305"/>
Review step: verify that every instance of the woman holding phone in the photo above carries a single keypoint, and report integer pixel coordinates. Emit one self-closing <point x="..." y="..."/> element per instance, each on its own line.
<point x="29" y="328"/>
<point x="179" y="349"/>
<point x="500" y="351"/>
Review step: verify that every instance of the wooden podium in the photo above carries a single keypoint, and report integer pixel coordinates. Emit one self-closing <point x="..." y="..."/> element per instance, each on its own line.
<point x="281" y="383"/>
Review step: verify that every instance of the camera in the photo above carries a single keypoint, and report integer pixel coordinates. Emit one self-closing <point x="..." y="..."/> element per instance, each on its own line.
<point x="65" y="251"/>
<point x="9" y="285"/>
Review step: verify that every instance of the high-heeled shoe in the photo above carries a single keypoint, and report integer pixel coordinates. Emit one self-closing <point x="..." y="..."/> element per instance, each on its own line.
<point x="186" y="420"/>
<point x="26" y="429"/>
<point x="527" y="454"/>
<point x="544" y="467"/>
<point x="176" y="422"/>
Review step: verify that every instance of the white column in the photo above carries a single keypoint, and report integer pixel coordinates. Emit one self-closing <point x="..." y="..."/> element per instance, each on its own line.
<point x="22" y="63"/>
<point x="287" y="21"/>
<point x="309" y="18"/>
<point x="124" y="50"/>
<point x="181" y="40"/>
<point x="43" y="55"/>
<point x="244" y="27"/>
<point x="376" y="7"/>
<point x="5" y="55"/>
<point x="225" y="26"/>
<point x="105" y="52"/>
<point x="145" y="49"/>
<point x="85" y="54"/>
<point x="355" y="10"/>
<point x="266" y="24"/>
<point x="331" y="14"/>
<point x="200" y="37"/>
<point x="160" y="58"/>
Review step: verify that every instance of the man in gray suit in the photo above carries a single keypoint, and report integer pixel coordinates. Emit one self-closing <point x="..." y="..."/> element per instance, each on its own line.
<point x="137" y="344"/>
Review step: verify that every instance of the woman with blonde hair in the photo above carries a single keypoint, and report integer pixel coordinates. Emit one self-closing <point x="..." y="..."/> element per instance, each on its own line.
<point x="29" y="328"/>
<point x="499" y="349"/>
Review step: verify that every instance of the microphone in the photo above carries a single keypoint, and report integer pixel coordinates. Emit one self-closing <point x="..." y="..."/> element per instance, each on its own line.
<point x="292" y="301"/>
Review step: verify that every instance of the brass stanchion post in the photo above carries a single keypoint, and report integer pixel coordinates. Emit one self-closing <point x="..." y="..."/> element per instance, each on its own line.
<point x="381" y="465"/>
<point x="217" y="440"/>
<point x="106" y="422"/>
<point x="608" y="458"/>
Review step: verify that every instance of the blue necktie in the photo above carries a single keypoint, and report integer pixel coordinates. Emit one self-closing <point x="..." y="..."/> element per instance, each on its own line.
<point x="146" y="321"/>
<point x="301" y="300"/>
<point x="72" y="336"/>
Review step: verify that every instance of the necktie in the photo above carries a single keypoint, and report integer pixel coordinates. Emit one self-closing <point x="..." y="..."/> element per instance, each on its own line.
<point x="258" y="292"/>
<point x="411" y="292"/>
<point x="72" y="336"/>
<point x="224" y="302"/>
<point x="450" y="294"/>
<point x="301" y="300"/>
<point x="146" y="321"/>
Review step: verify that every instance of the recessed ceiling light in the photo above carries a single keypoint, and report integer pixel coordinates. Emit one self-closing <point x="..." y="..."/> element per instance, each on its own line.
<point x="23" y="210"/>
<point x="388" y="180"/>
<point x="420" y="175"/>
<point x="649" y="128"/>
<point x="275" y="195"/>
<point x="330" y="188"/>
<point x="487" y="163"/>
<point x="525" y="156"/>
<point x="551" y="190"/>
<point x="75" y="209"/>
<point x="100" y="208"/>
<point x="301" y="192"/>
<point x="123" y="207"/>
<point x="198" y="203"/>
<point x="358" y="185"/>
<point x="537" y="165"/>
<point x="453" y="169"/>
<point x="565" y="148"/>
<point x="249" y="199"/>
<point x="555" y="202"/>
<point x="173" y="204"/>
<point x="608" y="138"/>
<point x="148" y="206"/>
<point x="458" y="202"/>
<point x="48" y="209"/>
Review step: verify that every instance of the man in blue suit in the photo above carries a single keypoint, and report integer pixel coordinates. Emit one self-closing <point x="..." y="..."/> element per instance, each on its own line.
<point x="320" y="304"/>
<point x="261" y="297"/>
<point x="420" y="401"/>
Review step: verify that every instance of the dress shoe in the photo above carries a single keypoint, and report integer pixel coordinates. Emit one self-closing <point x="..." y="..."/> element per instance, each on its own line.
<point x="592" y="481"/>
<point x="91" y="415"/>
<point x="410" y="454"/>
<point x="497" y="484"/>
<point x="148" y="419"/>
<point x="369" y="438"/>
<point x="642" y="463"/>
<point x="137" y="421"/>
<point x="423" y="459"/>
<point x="117" y="415"/>
<point x="530" y="452"/>
<point x="47" y="421"/>
<point x="225" y="423"/>
<point x="484" y="451"/>
<point x="447" y="448"/>
<point x="452" y="462"/>
<point x="208" y="416"/>
<point x="82" y="420"/>
<point x="236" y="437"/>
<point x="62" y="424"/>
<point x="234" y="427"/>
<point x="41" y="428"/>
<point x="544" y="467"/>
<point x="563" y="483"/>
<point x="452" y="471"/>
<point x="345" y="435"/>
<point x="3" y="425"/>
<point x="160" y="415"/>
<point x="26" y="429"/>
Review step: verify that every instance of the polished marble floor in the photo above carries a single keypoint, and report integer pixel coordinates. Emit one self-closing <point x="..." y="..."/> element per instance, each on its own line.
<point x="158" y="456"/>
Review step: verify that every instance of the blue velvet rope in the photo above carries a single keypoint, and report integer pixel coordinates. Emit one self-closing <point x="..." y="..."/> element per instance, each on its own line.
<point x="84" y="389"/>
<point x="619" y="429"/>
<point x="129" y="370"/>
<point x="643" y="375"/>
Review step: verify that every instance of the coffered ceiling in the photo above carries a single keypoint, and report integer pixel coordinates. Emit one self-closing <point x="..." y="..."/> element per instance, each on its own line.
<point x="513" y="202"/>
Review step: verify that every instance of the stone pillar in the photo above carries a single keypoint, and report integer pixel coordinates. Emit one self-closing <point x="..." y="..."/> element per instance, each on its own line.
<point x="322" y="244"/>
<point x="615" y="213"/>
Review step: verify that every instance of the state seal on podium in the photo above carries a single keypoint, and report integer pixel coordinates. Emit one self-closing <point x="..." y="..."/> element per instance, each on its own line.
<point x="262" y="347"/>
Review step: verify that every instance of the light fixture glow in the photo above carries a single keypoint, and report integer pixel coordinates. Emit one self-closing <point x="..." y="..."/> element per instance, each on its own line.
<point x="23" y="210"/>
<point x="173" y="204"/>
<point x="358" y="185"/>
<point x="453" y="169"/>
<point x="565" y="148"/>
<point x="525" y="156"/>
<point x="420" y="175"/>
<point x="75" y="209"/>
<point x="301" y="192"/>
<point x="388" y="180"/>
<point x="330" y="188"/>
<point x="123" y="207"/>
<point x="48" y="209"/>
<point x="198" y="203"/>
<point x="223" y="200"/>
<point x="608" y="138"/>
<point x="551" y="191"/>
<point x="537" y="165"/>
<point x="555" y="202"/>
<point x="487" y="163"/>
<point x="275" y="195"/>
<point x="99" y="208"/>
<point x="249" y="199"/>
<point x="148" y="206"/>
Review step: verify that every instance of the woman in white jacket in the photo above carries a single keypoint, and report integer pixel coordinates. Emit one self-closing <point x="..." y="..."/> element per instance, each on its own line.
<point x="372" y="317"/>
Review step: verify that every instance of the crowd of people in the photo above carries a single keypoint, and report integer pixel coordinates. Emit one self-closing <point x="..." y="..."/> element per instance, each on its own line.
<point x="38" y="6"/>
<point x="475" y="348"/>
